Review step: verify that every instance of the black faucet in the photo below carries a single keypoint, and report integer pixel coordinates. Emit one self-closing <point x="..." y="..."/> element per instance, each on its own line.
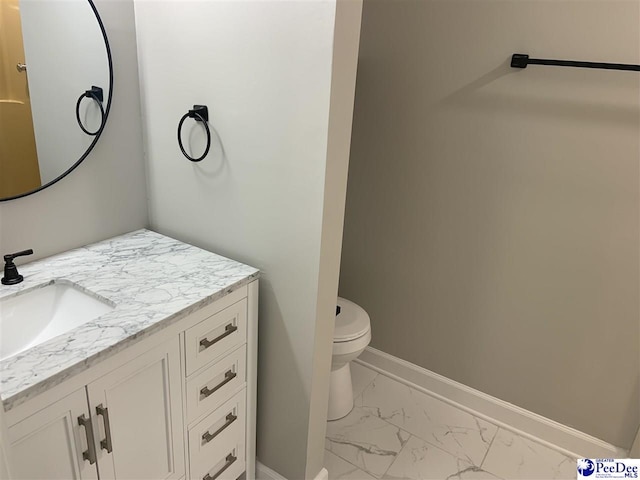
<point x="11" y="275"/>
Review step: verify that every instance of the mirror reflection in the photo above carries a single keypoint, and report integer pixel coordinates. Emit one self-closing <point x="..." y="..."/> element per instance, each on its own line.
<point x="54" y="88"/>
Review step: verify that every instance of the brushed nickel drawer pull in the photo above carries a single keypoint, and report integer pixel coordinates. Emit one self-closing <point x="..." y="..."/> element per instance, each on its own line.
<point x="106" y="443"/>
<point x="207" y="437"/>
<point x="205" y="391"/>
<point x="229" y="461"/>
<point x="228" y="330"/>
<point x="90" y="454"/>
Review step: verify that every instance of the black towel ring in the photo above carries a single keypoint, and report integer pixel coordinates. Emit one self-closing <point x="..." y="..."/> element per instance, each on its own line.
<point x="97" y="95"/>
<point x="201" y="114"/>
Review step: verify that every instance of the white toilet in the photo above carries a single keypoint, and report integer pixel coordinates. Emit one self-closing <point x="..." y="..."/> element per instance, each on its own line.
<point x="351" y="336"/>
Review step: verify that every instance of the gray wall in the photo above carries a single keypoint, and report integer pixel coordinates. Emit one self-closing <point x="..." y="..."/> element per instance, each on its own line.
<point x="492" y="215"/>
<point x="106" y="194"/>
<point x="635" y="448"/>
<point x="267" y="193"/>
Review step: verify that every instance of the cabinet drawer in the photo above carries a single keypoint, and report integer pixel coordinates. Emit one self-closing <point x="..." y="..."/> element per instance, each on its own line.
<point x="228" y="465"/>
<point x="217" y="435"/>
<point x="215" y="336"/>
<point x="211" y="387"/>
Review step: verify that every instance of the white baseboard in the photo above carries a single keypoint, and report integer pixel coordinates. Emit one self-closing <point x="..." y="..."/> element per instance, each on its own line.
<point x="265" y="473"/>
<point x="511" y="417"/>
<point x="322" y="475"/>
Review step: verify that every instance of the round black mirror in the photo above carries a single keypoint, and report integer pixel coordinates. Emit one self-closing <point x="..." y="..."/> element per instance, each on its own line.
<point x="56" y="83"/>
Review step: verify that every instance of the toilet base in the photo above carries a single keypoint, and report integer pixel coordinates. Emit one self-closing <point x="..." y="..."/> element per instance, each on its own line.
<point x="340" y="392"/>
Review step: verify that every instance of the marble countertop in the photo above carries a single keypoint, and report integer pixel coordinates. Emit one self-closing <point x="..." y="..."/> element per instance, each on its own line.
<point x="151" y="280"/>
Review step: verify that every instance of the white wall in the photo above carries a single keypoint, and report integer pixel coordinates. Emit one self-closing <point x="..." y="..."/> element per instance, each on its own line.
<point x="492" y="223"/>
<point x="264" y="68"/>
<point x="4" y="461"/>
<point x="344" y="64"/>
<point x="106" y="194"/>
<point x="65" y="56"/>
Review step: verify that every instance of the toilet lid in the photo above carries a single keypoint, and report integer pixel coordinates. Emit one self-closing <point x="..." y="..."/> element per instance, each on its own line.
<point x="352" y="322"/>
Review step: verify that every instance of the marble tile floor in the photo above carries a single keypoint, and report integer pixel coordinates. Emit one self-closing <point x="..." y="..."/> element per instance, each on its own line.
<point x="396" y="432"/>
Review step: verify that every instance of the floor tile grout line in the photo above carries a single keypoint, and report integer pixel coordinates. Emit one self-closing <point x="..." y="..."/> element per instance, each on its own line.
<point x="504" y="426"/>
<point x="433" y="445"/>
<point x="437" y="448"/>
<point x="490" y="445"/>
<point x="451" y="453"/>
<point x="430" y="442"/>
<point x="423" y="440"/>
<point x="344" y="459"/>
<point x="370" y="382"/>
<point x="350" y="463"/>
<point x="498" y="427"/>
<point x="467" y="459"/>
<point x="398" y="454"/>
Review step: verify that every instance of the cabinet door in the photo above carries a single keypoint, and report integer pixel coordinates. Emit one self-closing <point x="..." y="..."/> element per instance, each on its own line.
<point x="137" y="411"/>
<point x="50" y="443"/>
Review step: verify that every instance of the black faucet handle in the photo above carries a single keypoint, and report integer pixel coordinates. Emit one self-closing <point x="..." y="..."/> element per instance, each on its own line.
<point x="11" y="275"/>
<point x="11" y="256"/>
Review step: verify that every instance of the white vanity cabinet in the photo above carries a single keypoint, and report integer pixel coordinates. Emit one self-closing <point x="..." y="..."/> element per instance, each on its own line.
<point x="49" y="444"/>
<point x="137" y="417"/>
<point x="216" y="368"/>
<point x="128" y="424"/>
<point x="178" y="404"/>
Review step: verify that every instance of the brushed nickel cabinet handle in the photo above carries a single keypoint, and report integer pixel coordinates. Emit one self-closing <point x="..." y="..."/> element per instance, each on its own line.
<point x="90" y="454"/>
<point x="207" y="437"/>
<point x="206" y="391"/>
<point x="228" y="330"/>
<point x="21" y="67"/>
<point x="106" y="443"/>
<point x="229" y="461"/>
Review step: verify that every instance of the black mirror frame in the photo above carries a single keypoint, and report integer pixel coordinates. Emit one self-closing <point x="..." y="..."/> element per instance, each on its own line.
<point x="106" y="114"/>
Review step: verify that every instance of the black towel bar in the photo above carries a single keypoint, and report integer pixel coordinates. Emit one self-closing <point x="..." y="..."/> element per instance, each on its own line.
<point x="200" y="113"/>
<point x="520" y="60"/>
<point x="96" y="93"/>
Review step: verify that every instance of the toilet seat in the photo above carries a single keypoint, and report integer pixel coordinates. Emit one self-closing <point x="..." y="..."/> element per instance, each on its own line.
<point x="351" y="337"/>
<point x="351" y="323"/>
<point x="350" y="347"/>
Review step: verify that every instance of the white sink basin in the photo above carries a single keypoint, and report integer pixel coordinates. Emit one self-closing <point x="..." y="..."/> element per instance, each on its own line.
<point x="36" y="316"/>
